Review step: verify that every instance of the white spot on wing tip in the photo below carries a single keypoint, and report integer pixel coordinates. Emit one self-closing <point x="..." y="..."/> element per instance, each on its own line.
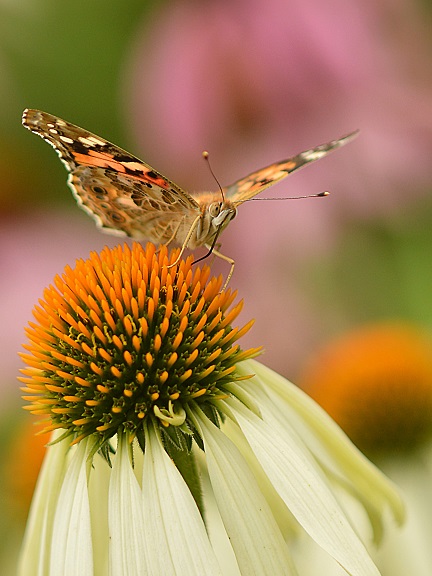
<point x="93" y="140"/>
<point x="24" y="116"/>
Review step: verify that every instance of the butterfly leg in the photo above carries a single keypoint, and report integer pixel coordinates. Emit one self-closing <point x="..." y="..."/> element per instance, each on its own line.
<point x="186" y="241"/>
<point x="227" y="259"/>
<point x="168" y="242"/>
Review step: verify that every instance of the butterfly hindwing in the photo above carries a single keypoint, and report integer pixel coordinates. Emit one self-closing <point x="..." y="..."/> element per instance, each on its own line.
<point x="127" y="206"/>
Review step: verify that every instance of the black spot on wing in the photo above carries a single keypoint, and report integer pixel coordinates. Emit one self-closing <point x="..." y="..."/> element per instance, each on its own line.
<point x="99" y="191"/>
<point x="264" y="181"/>
<point x="116" y="217"/>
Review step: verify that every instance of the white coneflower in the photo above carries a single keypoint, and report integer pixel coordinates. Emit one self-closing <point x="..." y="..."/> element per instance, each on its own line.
<point x="136" y="368"/>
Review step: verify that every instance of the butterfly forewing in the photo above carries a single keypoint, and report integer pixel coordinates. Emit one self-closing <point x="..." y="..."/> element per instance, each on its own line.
<point x="123" y="194"/>
<point x="251" y="185"/>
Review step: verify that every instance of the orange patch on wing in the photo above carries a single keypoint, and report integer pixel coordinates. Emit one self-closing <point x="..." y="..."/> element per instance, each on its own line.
<point x="99" y="159"/>
<point x="96" y="154"/>
<point x="159" y="181"/>
<point x="290" y="165"/>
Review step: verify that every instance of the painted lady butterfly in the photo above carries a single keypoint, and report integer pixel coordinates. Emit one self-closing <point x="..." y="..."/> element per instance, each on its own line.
<point x="128" y="197"/>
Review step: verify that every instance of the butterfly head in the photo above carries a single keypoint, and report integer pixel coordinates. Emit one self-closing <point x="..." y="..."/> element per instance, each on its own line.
<point x="221" y="213"/>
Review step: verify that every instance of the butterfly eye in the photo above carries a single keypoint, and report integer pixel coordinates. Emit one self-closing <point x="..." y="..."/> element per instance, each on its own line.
<point x="214" y="209"/>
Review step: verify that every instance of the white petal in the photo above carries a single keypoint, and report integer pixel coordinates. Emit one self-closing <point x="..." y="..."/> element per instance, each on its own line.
<point x="125" y="517"/>
<point x="333" y="441"/>
<point x="98" y="495"/>
<point x="35" y="552"/>
<point x="287" y="523"/>
<point x="255" y="537"/>
<point x="215" y="528"/>
<point x="294" y="475"/>
<point x="174" y="530"/>
<point x="71" y="551"/>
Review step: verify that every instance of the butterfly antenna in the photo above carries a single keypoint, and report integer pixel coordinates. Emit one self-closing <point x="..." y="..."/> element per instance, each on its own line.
<point x="319" y="195"/>
<point x="206" y="158"/>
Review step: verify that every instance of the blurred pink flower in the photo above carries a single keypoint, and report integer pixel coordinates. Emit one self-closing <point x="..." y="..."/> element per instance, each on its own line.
<point x="33" y="249"/>
<point x="255" y="81"/>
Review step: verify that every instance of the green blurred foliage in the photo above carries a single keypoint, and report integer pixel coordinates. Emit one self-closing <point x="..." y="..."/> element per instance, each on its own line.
<point x="381" y="269"/>
<point x="67" y="58"/>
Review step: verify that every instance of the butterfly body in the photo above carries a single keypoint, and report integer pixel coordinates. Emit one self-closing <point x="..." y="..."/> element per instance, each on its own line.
<point x="128" y="197"/>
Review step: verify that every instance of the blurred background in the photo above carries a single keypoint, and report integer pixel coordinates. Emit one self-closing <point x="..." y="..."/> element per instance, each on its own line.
<point x="253" y="82"/>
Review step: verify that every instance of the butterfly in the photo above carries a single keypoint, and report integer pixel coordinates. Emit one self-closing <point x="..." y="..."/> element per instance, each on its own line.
<point x="128" y="197"/>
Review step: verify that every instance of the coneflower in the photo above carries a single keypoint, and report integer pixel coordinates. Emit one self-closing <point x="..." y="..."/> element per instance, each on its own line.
<point x="136" y="369"/>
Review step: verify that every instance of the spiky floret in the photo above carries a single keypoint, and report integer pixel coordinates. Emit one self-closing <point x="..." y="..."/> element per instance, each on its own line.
<point x="124" y="336"/>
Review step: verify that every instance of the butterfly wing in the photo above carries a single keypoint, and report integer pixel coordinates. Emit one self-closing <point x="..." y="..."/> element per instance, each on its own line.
<point x="123" y="194"/>
<point x="256" y="182"/>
